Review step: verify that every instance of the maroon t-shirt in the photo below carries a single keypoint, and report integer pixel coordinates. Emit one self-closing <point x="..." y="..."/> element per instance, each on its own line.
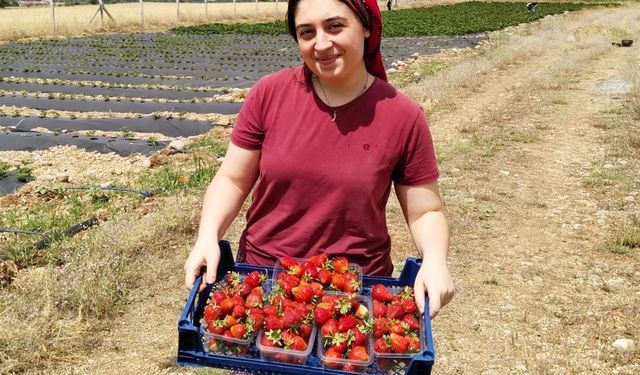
<point x="323" y="185"/>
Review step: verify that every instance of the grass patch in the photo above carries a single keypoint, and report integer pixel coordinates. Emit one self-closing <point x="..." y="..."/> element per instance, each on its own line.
<point x="625" y="238"/>
<point x="456" y="19"/>
<point x="601" y="178"/>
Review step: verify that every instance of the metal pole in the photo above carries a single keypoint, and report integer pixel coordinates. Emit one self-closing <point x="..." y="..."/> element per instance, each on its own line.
<point x="101" y="13"/>
<point x="206" y="9"/>
<point x="257" y="13"/>
<point x="53" y="15"/>
<point x="277" y="7"/>
<point x="141" y="14"/>
<point x="178" y="10"/>
<point x="234" y="8"/>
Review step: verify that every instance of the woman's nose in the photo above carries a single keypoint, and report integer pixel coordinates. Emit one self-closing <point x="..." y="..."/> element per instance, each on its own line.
<point x="323" y="41"/>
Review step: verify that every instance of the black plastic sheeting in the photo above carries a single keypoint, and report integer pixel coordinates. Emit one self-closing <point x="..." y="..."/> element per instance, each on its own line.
<point x="124" y="106"/>
<point x="109" y="91"/>
<point x="170" y="128"/>
<point x="32" y="141"/>
<point x="9" y="184"/>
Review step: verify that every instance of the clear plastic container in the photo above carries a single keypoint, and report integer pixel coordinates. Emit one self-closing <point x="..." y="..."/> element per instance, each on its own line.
<point x="345" y="364"/>
<point x="298" y="357"/>
<point x="220" y="344"/>
<point x="277" y="269"/>
<point x="396" y="363"/>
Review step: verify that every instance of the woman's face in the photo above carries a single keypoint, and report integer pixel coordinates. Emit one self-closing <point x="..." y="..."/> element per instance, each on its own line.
<point x="330" y="38"/>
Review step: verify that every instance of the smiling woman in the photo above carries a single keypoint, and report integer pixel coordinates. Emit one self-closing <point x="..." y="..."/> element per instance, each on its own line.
<point x="321" y="145"/>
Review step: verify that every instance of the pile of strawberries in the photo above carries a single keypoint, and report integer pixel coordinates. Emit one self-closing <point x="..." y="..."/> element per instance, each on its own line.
<point x="333" y="274"/>
<point x="234" y="312"/>
<point x="344" y="331"/>
<point x="396" y="325"/>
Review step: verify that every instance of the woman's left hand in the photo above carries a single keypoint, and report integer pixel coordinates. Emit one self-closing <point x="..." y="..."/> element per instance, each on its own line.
<point x="434" y="280"/>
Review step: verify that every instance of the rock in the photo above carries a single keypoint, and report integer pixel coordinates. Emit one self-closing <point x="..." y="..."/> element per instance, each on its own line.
<point x="504" y="173"/>
<point x="391" y="70"/>
<point x="46" y="177"/>
<point x="62" y="177"/>
<point x="571" y="38"/>
<point x="177" y="145"/>
<point x="623" y="344"/>
<point x="416" y="54"/>
<point x="608" y="166"/>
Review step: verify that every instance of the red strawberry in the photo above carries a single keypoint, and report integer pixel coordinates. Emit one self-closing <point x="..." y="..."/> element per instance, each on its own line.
<point x="255" y="278"/>
<point x="337" y="281"/>
<point x="266" y="341"/>
<point x="272" y="323"/>
<point x="395" y="311"/>
<point x="305" y="330"/>
<point x="318" y="260"/>
<point x="298" y="343"/>
<point x="358" y="353"/>
<point x="333" y="358"/>
<point x="302" y="293"/>
<point x="351" y="283"/>
<point x="339" y="342"/>
<point x="227" y="305"/>
<point x="411" y="321"/>
<point x="380" y="293"/>
<point x="230" y="321"/>
<point x="359" y="338"/>
<point x="253" y="300"/>
<point x="324" y="276"/>
<point x="347" y="322"/>
<point x="295" y="270"/>
<point x="380" y="327"/>
<point x="239" y="311"/>
<point x="212" y="313"/>
<point x="379" y="309"/>
<point x="397" y="328"/>
<point x="409" y="305"/>
<point x="399" y="344"/>
<point x="288" y="261"/>
<point x="414" y="345"/>
<point x="340" y="265"/>
<point x="321" y="315"/>
<point x="270" y="310"/>
<point x="238" y="331"/>
<point x="329" y="328"/>
<point x="380" y="345"/>
<point x="219" y="296"/>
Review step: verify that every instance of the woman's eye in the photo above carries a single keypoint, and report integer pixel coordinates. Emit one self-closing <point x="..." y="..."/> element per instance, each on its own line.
<point x="335" y="25"/>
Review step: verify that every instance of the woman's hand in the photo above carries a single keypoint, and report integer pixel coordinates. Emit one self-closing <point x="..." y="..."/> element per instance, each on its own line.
<point x="205" y="254"/>
<point x="435" y="280"/>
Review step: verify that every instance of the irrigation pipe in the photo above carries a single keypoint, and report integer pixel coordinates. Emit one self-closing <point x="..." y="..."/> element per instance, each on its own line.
<point x="18" y="231"/>
<point x="144" y="193"/>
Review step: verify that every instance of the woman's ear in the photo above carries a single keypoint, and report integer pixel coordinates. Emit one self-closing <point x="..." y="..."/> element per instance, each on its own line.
<point x="367" y="33"/>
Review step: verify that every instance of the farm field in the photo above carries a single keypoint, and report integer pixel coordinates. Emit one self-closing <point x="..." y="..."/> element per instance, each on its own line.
<point x="539" y="151"/>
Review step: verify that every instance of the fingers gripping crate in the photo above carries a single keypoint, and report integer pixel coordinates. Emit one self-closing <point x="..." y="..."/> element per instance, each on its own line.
<point x="192" y="353"/>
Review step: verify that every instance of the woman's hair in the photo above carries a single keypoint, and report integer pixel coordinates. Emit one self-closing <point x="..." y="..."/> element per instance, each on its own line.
<point x="357" y="6"/>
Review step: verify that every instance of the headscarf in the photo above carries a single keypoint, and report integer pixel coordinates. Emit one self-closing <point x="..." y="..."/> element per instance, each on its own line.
<point x="369" y="14"/>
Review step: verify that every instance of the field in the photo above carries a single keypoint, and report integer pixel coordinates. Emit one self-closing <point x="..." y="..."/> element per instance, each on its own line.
<point x="539" y="151"/>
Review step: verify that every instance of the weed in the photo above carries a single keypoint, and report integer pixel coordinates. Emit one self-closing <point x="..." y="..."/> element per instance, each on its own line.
<point x="23" y="171"/>
<point x="4" y="168"/>
<point x="126" y="133"/>
<point x="525" y="136"/>
<point x="152" y="141"/>
<point x="491" y="281"/>
<point x="601" y="178"/>
<point x="43" y="113"/>
<point x="57" y="131"/>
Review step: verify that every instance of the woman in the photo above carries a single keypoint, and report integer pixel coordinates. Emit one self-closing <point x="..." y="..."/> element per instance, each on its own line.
<point x="321" y="145"/>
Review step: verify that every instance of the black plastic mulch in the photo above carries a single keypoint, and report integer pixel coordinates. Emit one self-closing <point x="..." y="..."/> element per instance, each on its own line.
<point x="118" y="106"/>
<point x="168" y="127"/>
<point x="109" y="91"/>
<point x="9" y="184"/>
<point x="32" y="141"/>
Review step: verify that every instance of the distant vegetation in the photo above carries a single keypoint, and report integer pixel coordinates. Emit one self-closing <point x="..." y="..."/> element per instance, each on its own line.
<point x="455" y="19"/>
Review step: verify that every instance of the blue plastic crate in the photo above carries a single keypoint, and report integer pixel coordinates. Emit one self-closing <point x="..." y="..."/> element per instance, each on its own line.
<point x="191" y="352"/>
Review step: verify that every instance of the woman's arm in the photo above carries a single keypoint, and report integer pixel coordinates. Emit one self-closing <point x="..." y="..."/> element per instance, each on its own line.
<point x="222" y="202"/>
<point x="423" y="211"/>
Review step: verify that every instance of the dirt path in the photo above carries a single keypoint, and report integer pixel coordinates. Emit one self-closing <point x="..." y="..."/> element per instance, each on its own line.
<point x="536" y="291"/>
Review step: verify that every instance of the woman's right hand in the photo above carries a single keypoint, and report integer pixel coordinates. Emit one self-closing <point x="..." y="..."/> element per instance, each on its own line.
<point x="204" y="253"/>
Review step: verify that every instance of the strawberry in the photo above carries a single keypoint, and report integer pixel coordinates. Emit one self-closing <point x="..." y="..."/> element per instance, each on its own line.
<point x="338" y="342"/>
<point x="256" y="318"/>
<point x="230" y="321"/>
<point x="298" y="343"/>
<point x="219" y="296"/>
<point x="380" y="345"/>
<point x="358" y="353"/>
<point x="333" y="358"/>
<point x="253" y="300"/>
<point x="412" y="322"/>
<point x="380" y="327"/>
<point x="255" y="278"/>
<point x="399" y="344"/>
<point x="351" y="283"/>
<point x="414" y="345"/>
<point x="397" y="328"/>
<point x="227" y="305"/>
<point x="272" y="323"/>
<point x="288" y="261"/>
<point x="211" y="313"/>
<point x="318" y="260"/>
<point x="266" y="341"/>
<point x="295" y="270"/>
<point x="232" y="278"/>
<point x="270" y="310"/>
<point x="379" y="309"/>
<point x="321" y="315"/>
<point x="380" y="293"/>
<point x="324" y="276"/>
<point x="304" y="330"/>
<point x="346" y="322"/>
<point x="395" y="311"/>
<point x="340" y="265"/>
<point x="329" y="328"/>
<point x="409" y="305"/>
<point x="359" y="338"/>
<point x="302" y="293"/>
<point x="337" y="281"/>
<point x="361" y="311"/>
<point x="238" y="331"/>
<point x="239" y="312"/>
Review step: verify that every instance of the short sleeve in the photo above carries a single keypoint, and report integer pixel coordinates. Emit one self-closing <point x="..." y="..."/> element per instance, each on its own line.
<point x="248" y="131"/>
<point x="417" y="164"/>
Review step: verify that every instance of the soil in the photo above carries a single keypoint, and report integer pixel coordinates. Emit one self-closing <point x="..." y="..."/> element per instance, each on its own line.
<point x="536" y="293"/>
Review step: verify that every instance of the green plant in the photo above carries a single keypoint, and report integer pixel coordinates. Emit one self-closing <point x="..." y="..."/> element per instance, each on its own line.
<point x="43" y="113"/>
<point x="23" y="171"/>
<point x="152" y="141"/>
<point x="4" y="168"/>
<point x="126" y="133"/>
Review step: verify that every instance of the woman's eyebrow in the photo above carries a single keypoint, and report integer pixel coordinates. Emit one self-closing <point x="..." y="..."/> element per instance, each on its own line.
<point x="328" y="20"/>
